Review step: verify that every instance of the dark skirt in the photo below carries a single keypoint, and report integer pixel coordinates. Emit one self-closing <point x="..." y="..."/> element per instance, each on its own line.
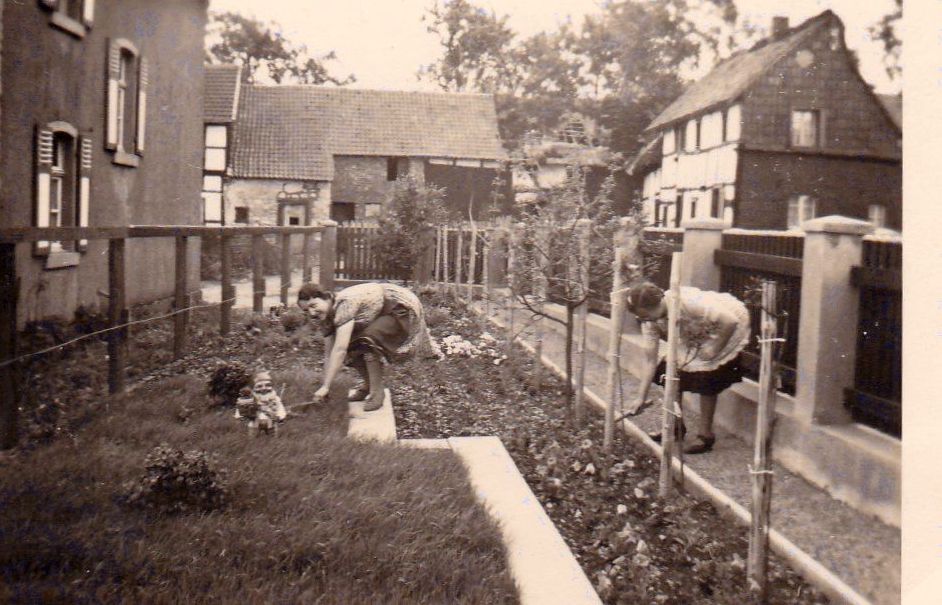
<point x="382" y="336"/>
<point x="712" y="382"/>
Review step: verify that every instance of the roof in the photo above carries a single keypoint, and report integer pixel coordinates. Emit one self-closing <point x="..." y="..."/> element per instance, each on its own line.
<point x="648" y="157"/>
<point x="280" y="135"/>
<point x="293" y="131"/>
<point x="221" y="93"/>
<point x="893" y="104"/>
<point x="734" y="76"/>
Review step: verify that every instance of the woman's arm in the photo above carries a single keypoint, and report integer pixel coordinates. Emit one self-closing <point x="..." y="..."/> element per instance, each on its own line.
<point x="336" y="352"/>
<point x="649" y="366"/>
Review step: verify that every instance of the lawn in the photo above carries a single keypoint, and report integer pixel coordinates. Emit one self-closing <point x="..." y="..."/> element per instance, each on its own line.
<point x="306" y="516"/>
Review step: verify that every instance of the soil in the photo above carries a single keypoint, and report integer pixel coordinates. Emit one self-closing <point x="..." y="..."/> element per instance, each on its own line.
<point x="634" y="547"/>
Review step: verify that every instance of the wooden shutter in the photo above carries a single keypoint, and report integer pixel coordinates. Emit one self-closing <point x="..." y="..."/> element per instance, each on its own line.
<point x="84" y="187"/>
<point x="111" y="108"/>
<point x="44" y="151"/>
<point x="141" y="118"/>
<point x="52" y="4"/>
<point x="88" y="12"/>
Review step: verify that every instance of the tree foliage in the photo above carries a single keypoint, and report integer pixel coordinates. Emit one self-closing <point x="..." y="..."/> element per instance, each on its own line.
<point x="264" y="53"/>
<point x="886" y="31"/>
<point x="403" y="237"/>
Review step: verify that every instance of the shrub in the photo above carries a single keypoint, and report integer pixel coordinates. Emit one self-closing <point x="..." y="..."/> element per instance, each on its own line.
<point x="176" y="481"/>
<point x="292" y="319"/>
<point x="226" y="382"/>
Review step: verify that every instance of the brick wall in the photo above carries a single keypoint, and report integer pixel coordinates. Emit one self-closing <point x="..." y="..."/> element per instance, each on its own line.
<point x="821" y="77"/>
<point x="360" y="180"/>
<point x="259" y="197"/>
<point x="845" y="186"/>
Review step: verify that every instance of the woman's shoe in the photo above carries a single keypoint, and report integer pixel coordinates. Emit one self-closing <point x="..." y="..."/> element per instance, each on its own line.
<point x="374" y="403"/>
<point x="359" y="394"/>
<point x="700" y="445"/>
<point x="680" y="431"/>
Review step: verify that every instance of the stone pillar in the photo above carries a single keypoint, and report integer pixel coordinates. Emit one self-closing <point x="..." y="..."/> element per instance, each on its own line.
<point x="701" y="238"/>
<point x="827" y="335"/>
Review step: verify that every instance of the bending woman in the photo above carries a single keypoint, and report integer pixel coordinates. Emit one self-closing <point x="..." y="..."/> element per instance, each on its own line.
<point x="366" y="326"/>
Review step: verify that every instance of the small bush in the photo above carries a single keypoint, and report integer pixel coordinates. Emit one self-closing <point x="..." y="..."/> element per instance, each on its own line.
<point x="292" y="319"/>
<point x="176" y="481"/>
<point x="226" y="382"/>
<point x="436" y="316"/>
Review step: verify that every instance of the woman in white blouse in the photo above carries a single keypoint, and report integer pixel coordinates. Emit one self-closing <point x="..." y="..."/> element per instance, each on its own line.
<point x="714" y="329"/>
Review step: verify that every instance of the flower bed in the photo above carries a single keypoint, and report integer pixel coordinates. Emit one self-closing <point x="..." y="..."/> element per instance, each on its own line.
<point x="633" y="547"/>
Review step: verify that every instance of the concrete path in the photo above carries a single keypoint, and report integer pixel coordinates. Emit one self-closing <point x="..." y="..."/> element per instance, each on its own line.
<point x="379" y="425"/>
<point x="212" y="291"/>
<point x="859" y="550"/>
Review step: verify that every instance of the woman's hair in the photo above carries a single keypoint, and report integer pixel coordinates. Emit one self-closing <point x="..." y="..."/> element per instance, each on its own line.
<point x="643" y="295"/>
<point x="311" y="290"/>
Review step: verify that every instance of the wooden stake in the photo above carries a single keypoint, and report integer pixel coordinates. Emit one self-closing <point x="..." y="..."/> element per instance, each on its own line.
<point x="438" y="249"/>
<point x="9" y="292"/>
<point x="472" y="262"/>
<point x="542" y="242"/>
<point x="328" y="256"/>
<point x="445" y="260"/>
<point x="582" y="264"/>
<point x="225" y="309"/>
<point x="459" y="257"/>
<point x="761" y="473"/>
<point x="285" y="267"/>
<point x="180" y="299"/>
<point x="258" y="273"/>
<point x="513" y="243"/>
<point x="670" y="408"/>
<point x="486" y="272"/>
<point x="117" y="316"/>
<point x="615" y="327"/>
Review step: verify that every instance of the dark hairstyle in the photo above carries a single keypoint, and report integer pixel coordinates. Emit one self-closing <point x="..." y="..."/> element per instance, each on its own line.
<point x="643" y="295"/>
<point x="311" y="290"/>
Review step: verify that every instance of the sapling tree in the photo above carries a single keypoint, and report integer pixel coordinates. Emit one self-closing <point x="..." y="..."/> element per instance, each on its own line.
<point x="405" y="237"/>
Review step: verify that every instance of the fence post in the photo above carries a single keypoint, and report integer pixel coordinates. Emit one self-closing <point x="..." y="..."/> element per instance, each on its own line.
<point x="620" y="243"/>
<point x="9" y="292"/>
<point x="228" y="292"/>
<point x="445" y="241"/>
<point x="459" y="257"/>
<point x="540" y="286"/>
<point x="513" y="244"/>
<point x="180" y="299"/>
<point x="472" y="261"/>
<point x="701" y="238"/>
<point x="760" y="475"/>
<point x="422" y="271"/>
<point x="437" y="271"/>
<point x="306" y="246"/>
<point x="671" y="404"/>
<point x="118" y="315"/>
<point x="258" y="273"/>
<point x="285" y="267"/>
<point x="827" y="333"/>
<point x="582" y="263"/>
<point x="328" y="255"/>
<point x="486" y="263"/>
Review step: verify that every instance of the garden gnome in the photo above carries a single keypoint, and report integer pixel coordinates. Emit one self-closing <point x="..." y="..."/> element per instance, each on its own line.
<point x="270" y="408"/>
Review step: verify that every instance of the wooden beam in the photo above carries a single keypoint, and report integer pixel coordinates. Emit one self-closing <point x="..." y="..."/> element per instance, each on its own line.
<point x="180" y="298"/>
<point x="117" y="315"/>
<point x="285" y="267"/>
<point x="781" y="265"/>
<point x="9" y="292"/>
<point x="258" y="273"/>
<point x="225" y="309"/>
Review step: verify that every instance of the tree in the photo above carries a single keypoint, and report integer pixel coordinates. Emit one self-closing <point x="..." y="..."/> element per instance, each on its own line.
<point x="264" y="53"/>
<point x="405" y="225"/>
<point x="475" y="45"/>
<point x="886" y="32"/>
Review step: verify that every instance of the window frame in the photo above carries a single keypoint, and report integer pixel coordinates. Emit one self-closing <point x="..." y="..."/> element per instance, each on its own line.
<point x="878" y="218"/>
<point x="806" y="209"/>
<point x="62" y="194"/>
<point x="817" y="124"/>
<point x="126" y="96"/>
<point x="78" y="22"/>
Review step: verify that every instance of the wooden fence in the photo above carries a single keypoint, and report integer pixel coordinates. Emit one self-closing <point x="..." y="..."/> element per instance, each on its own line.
<point x="876" y="397"/>
<point x="745" y="260"/>
<point x="118" y="314"/>
<point x="357" y="259"/>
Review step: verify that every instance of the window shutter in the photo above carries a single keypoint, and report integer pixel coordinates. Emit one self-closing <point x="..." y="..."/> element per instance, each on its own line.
<point x="84" y="187"/>
<point x="44" y="150"/>
<point x="141" y="105"/>
<point x="111" y="111"/>
<point x="52" y="4"/>
<point x="88" y="12"/>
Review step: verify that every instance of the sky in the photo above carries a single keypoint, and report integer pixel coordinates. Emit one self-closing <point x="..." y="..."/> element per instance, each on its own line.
<point x="384" y="42"/>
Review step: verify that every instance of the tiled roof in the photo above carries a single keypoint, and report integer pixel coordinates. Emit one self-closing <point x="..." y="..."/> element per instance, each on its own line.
<point x="893" y="104"/>
<point x="279" y="135"/>
<point x="297" y="123"/>
<point x="221" y="91"/>
<point x="735" y="75"/>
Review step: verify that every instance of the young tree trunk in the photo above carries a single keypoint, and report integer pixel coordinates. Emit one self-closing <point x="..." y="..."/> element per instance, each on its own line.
<point x="570" y="324"/>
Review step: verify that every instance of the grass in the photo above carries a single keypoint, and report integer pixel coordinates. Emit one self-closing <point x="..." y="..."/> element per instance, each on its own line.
<point x="311" y="516"/>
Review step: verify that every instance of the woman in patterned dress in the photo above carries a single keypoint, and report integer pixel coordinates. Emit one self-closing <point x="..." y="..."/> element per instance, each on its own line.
<point x="366" y="326"/>
<point x="714" y="329"/>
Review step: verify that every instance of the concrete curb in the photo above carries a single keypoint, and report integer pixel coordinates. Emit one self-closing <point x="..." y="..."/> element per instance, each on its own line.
<point x="815" y="573"/>
<point x="379" y="425"/>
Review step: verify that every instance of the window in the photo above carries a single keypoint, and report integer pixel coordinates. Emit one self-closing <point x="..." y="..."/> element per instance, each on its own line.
<point x="216" y="140"/>
<point x="63" y="173"/>
<point x="715" y="204"/>
<point x="801" y="208"/>
<point x="72" y="16"/>
<point x="127" y="102"/>
<point x="242" y="215"/>
<point x="294" y="220"/>
<point x="393" y="167"/>
<point x="806" y="126"/>
<point x="212" y="199"/>
<point x="877" y="215"/>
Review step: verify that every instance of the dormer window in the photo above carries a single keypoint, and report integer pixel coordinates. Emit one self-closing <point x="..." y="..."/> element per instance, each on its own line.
<point x="806" y="128"/>
<point x="72" y="16"/>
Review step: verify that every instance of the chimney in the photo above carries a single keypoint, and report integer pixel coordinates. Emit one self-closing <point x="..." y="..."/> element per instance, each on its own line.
<point x="779" y="27"/>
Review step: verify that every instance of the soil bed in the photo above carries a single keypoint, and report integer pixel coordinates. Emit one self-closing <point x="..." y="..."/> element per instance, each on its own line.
<point x="633" y="547"/>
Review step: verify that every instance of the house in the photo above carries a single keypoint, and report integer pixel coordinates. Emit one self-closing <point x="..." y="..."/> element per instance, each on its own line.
<point x="298" y="153"/>
<point x="774" y="136"/>
<point x="99" y="126"/>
